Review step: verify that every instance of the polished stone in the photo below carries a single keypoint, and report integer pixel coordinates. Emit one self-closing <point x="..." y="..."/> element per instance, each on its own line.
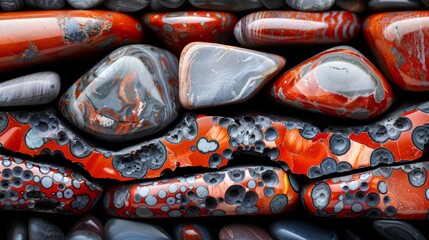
<point x="33" y="89"/>
<point x="231" y="74"/>
<point x="17" y="231"/>
<point x="126" y="5"/>
<point x="191" y="231"/>
<point x="272" y="28"/>
<point x="311" y="5"/>
<point x="243" y="231"/>
<point x="352" y="5"/>
<point x="227" y="5"/>
<point x="118" y="229"/>
<point x="397" y="230"/>
<point x="161" y="5"/>
<point x="391" y="5"/>
<point x="84" y="4"/>
<point x="46" y="4"/>
<point x="87" y="228"/>
<point x="273" y="4"/>
<point x="296" y="229"/>
<point x="339" y="82"/>
<point x="177" y="29"/>
<point x="41" y="229"/>
<point x="399" y="43"/>
<point x="11" y="5"/>
<point x="131" y="93"/>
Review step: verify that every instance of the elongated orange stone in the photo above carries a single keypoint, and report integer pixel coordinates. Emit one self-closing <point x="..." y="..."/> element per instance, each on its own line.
<point x="28" y="38"/>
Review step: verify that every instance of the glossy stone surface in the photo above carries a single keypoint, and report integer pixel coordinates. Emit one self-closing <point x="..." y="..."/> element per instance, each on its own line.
<point x="401" y="49"/>
<point x="17" y="231"/>
<point x="352" y="5"/>
<point x="339" y="82"/>
<point x="46" y="4"/>
<point x="129" y="94"/>
<point x="297" y="229"/>
<point x="232" y="74"/>
<point x="126" y="5"/>
<point x="11" y="5"/>
<point x="311" y="5"/>
<point x="227" y="5"/>
<point x="41" y="229"/>
<point x="271" y="28"/>
<point x="392" y="5"/>
<point x="273" y="4"/>
<point x="397" y="230"/>
<point x="243" y="231"/>
<point x="385" y="192"/>
<point x="191" y="231"/>
<point x="177" y="29"/>
<point x="159" y="5"/>
<point x="118" y="229"/>
<point x="47" y="36"/>
<point x="87" y="228"/>
<point x="84" y="4"/>
<point x="33" y="89"/>
<point x="235" y="191"/>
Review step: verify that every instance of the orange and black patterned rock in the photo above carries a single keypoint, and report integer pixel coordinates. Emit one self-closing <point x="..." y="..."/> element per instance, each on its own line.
<point x="177" y="29"/>
<point x="131" y="93"/>
<point x="235" y="191"/>
<point x="243" y="231"/>
<point x="397" y="192"/>
<point x="339" y="82"/>
<point x="47" y="36"/>
<point x="399" y="41"/>
<point x="270" y="28"/>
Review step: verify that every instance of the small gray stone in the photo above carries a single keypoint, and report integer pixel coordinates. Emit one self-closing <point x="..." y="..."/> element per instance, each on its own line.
<point x="46" y="4"/>
<point x="41" y="229"/>
<point x="118" y="229"/>
<point x="126" y="5"/>
<point x="11" y="5"/>
<point x="84" y="4"/>
<point x="311" y="5"/>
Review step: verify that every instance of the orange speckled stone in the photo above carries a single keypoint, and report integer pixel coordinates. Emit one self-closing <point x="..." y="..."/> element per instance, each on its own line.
<point x="46" y="36"/>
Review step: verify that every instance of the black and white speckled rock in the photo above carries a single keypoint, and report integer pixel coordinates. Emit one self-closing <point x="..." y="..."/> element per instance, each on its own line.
<point x="11" y="5"/>
<point x="311" y="5"/>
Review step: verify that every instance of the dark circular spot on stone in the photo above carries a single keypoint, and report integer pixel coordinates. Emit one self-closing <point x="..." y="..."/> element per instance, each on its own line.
<point x="372" y="199"/>
<point x="314" y="172"/>
<point x="381" y="156"/>
<point x="271" y="134"/>
<point x="236" y="175"/>
<point x="250" y="199"/>
<point x="270" y="178"/>
<point x="339" y="144"/>
<point x="390" y="211"/>
<point x="417" y="177"/>
<point x="343" y="167"/>
<point x="386" y="200"/>
<point x="79" y="149"/>
<point x="278" y="203"/>
<point x="360" y="196"/>
<point x="210" y="203"/>
<point x="269" y="192"/>
<point x="234" y="195"/>
<point x="215" y="160"/>
<point x="420" y="136"/>
<point x="321" y="195"/>
<point x="328" y="165"/>
<point x="4" y="121"/>
<point x="378" y="133"/>
<point x="214" y="178"/>
<point x="403" y="124"/>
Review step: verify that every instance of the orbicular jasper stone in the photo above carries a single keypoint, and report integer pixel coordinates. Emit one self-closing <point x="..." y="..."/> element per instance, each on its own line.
<point x="397" y="230"/>
<point x="389" y="5"/>
<point x="18" y="231"/>
<point x="33" y="89"/>
<point x="269" y="28"/>
<point x="160" y="5"/>
<point x="399" y="42"/>
<point x="231" y="74"/>
<point x="311" y="5"/>
<point x="126" y="5"/>
<point x="118" y="229"/>
<point x="297" y="229"/>
<point x="46" y="4"/>
<point x="339" y="82"/>
<point x="227" y="5"/>
<point x="84" y="4"/>
<point x="131" y="93"/>
<point x="11" y="5"/>
<point x="41" y="229"/>
<point x="352" y="5"/>
<point x="46" y="36"/>
<point x="87" y="228"/>
<point x="243" y="231"/>
<point x="177" y="29"/>
<point x="194" y="231"/>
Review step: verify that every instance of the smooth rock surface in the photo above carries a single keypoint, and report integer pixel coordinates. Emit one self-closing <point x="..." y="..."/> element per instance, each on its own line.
<point x="129" y="94"/>
<point x="311" y="5"/>
<point x="118" y="229"/>
<point x="227" y="5"/>
<point x="231" y="74"/>
<point x="46" y="4"/>
<point x="17" y="231"/>
<point x="87" y="228"/>
<point x="271" y="28"/>
<point x="243" y="231"/>
<point x="126" y="5"/>
<point x="84" y="4"/>
<point x="399" y="43"/>
<point x="397" y="230"/>
<point x="392" y="5"/>
<point x="352" y="5"/>
<point x="41" y="229"/>
<point x="11" y="5"/>
<point x="177" y="29"/>
<point x="339" y="82"/>
<point x="33" y="89"/>
<point x="160" y="5"/>
<point x="273" y="4"/>
<point x="297" y="229"/>
<point x="194" y="231"/>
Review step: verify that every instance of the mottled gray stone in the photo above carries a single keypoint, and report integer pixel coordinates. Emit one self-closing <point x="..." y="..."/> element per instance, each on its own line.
<point x="230" y="74"/>
<point x="227" y="5"/>
<point x="389" y="5"/>
<point x="33" y="89"/>
<point x="18" y="231"/>
<point x="11" y="5"/>
<point x="160" y="5"/>
<point x="311" y="5"/>
<point x="352" y="5"/>
<point x="84" y="4"/>
<point x="118" y="229"/>
<point x="126" y="5"/>
<point x="273" y="4"/>
<point x="46" y="4"/>
<point x="296" y="229"/>
<point x="41" y="229"/>
<point x="397" y="230"/>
